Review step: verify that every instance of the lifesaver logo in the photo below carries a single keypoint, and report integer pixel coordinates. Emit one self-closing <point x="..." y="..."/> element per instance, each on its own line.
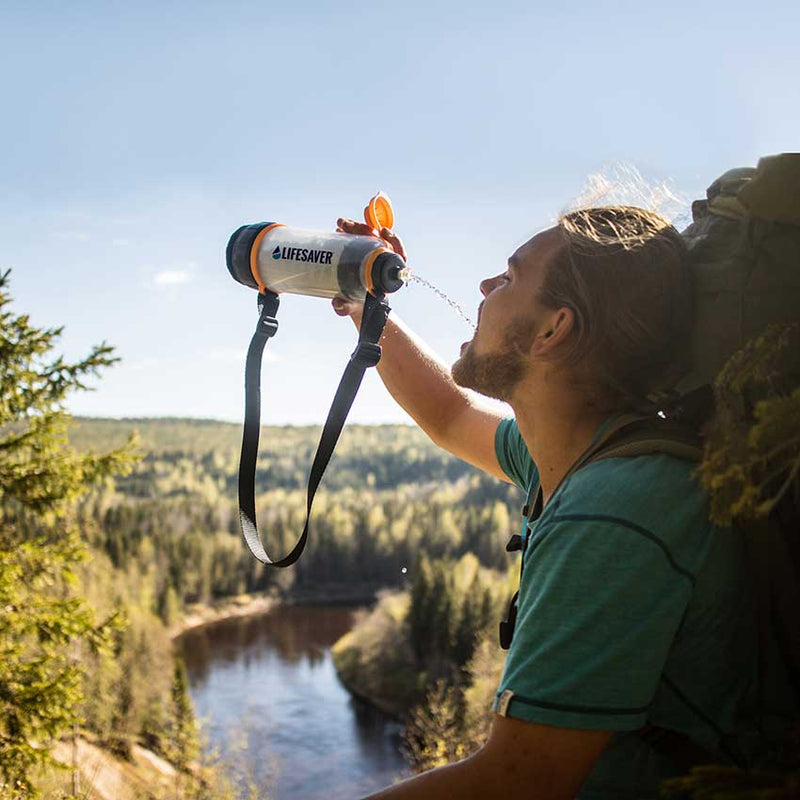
<point x="303" y="254"/>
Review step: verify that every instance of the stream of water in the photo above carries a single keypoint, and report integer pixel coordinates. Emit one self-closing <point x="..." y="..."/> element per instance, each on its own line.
<point x="412" y="276"/>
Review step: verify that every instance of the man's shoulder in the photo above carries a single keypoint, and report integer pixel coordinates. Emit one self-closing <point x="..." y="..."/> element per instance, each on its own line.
<point x="656" y="493"/>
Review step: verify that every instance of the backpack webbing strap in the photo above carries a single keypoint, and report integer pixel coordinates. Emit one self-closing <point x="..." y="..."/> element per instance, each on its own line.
<point x="367" y="354"/>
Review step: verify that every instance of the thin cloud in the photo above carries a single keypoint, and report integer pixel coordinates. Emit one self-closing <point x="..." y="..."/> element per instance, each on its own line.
<point x="171" y="277"/>
<point x="71" y="236"/>
<point x="120" y="242"/>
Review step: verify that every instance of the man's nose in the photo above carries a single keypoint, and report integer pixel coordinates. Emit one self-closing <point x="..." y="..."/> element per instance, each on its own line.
<point x="487" y="284"/>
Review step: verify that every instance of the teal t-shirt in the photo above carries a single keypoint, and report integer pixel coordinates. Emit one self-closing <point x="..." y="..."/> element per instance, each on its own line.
<point x="633" y="610"/>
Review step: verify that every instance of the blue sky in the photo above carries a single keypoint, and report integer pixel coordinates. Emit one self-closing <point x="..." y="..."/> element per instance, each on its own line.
<point x="137" y="136"/>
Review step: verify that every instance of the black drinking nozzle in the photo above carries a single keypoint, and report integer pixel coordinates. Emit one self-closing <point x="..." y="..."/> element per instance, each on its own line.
<point x="388" y="273"/>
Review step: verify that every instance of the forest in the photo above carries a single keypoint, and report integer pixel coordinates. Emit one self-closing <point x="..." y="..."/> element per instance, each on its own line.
<point x="389" y="496"/>
<point x="396" y="518"/>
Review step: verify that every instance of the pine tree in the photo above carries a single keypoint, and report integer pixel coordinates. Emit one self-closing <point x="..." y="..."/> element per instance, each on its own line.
<point x="184" y="746"/>
<point x="46" y="624"/>
<point x="420" y="621"/>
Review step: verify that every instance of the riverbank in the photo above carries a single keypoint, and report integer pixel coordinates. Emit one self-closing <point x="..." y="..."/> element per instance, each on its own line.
<point x="392" y="684"/>
<point x="245" y="605"/>
<point x="102" y="775"/>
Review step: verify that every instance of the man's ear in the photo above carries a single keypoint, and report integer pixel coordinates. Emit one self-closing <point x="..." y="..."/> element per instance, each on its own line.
<point x="556" y="328"/>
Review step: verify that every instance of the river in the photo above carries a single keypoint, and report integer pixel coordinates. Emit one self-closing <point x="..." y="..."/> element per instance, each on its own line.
<point x="271" y="704"/>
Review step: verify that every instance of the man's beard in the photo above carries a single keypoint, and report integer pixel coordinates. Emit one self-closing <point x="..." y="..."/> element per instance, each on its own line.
<point x="497" y="374"/>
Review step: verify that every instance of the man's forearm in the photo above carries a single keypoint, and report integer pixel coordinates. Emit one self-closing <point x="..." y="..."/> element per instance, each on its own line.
<point x="520" y="760"/>
<point x="463" y="780"/>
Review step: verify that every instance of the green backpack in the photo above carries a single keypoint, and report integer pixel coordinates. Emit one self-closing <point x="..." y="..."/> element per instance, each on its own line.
<point x="744" y="244"/>
<point x="737" y="408"/>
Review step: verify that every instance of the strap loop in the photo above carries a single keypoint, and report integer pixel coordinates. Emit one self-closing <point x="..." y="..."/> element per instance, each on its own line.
<point x="366" y="354"/>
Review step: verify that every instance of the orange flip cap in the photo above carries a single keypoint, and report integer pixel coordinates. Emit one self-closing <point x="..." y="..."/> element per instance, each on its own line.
<point x="378" y="213"/>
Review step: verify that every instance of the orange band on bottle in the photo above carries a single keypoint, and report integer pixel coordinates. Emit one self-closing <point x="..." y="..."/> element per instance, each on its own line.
<point x="254" y="254"/>
<point x="370" y="260"/>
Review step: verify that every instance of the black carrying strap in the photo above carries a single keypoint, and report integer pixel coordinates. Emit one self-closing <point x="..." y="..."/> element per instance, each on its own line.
<point x="367" y="354"/>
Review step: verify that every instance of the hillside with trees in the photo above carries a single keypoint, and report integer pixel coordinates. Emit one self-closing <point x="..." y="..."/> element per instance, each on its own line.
<point x="171" y="524"/>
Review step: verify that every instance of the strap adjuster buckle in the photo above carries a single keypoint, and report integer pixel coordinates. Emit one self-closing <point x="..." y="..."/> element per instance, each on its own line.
<point x="268" y="303"/>
<point x="367" y="353"/>
<point x="267" y="326"/>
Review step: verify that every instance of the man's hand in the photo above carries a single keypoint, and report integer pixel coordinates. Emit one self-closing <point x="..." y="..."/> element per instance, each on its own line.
<point x="393" y="242"/>
<point x="422" y="384"/>
<point x="348" y="308"/>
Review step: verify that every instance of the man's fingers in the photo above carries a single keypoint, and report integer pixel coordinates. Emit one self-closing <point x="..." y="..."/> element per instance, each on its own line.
<point x="347" y="308"/>
<point x="340" y="306"/>
<point x="394" y="241"/>
<point x="359" y="228"/>
<point x="344" y="225"/>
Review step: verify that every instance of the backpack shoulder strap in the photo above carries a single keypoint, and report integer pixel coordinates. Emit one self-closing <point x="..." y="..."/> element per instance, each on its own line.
<point x="648" y="437"/>
<point x="638" y="435"/>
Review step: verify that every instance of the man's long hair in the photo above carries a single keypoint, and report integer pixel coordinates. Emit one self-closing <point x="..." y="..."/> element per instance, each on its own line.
<point x="624" y="273"/>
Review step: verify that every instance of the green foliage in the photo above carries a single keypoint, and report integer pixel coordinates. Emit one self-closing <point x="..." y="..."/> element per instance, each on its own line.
<point x="374" y="659"/>
<point x="184" y="744"/>
<point x="429" y="655"/>
<point x="172" y="524"/>
<point x="753" y="446"/>
<point x="451" y="605"/>
<point x="432" y="734"/>
<point x="46" y="622"/>
<point x="40" y="675"/>
<point x="717" y="782"/>
<point x="751" y="464"/>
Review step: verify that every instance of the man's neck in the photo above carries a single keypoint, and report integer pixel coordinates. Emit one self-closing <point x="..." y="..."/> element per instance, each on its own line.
<point x="557" y="427"/>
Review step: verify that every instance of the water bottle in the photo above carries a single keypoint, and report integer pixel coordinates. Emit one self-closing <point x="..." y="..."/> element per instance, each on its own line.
<point x="269" y="255"/>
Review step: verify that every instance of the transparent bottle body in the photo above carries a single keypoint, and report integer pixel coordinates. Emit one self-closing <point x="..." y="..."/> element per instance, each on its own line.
<point x="316" y="263"/>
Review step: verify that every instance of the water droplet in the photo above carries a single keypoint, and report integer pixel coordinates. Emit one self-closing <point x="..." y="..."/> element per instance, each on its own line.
<point x="412" y="276"/>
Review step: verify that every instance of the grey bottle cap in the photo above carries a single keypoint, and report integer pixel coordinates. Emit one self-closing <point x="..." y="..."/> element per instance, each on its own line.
<point x="237" y="254"/>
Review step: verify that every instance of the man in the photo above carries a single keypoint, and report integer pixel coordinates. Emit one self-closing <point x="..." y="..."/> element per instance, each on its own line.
<point x="634" y="612"/>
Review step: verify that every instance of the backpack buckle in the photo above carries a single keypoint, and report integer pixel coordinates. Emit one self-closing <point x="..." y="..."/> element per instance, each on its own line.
<point x="509" y="623"/>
